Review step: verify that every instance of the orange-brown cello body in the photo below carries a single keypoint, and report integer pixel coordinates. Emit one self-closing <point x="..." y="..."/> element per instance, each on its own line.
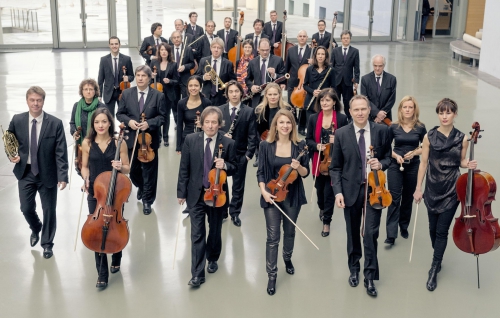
<point x="123" y="85"/>
<point x="278" y="51"/>
<point x="215" y="195"/>
<point x="298" y="96"/>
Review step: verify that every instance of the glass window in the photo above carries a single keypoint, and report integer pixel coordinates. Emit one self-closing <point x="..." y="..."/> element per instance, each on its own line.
<point x="402" y="17"/>
<point x="122" y="21"/>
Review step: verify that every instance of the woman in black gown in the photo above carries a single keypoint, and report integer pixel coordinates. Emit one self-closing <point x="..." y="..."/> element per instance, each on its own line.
<point x="444" y="152"/>
<point x="98" y="153"/>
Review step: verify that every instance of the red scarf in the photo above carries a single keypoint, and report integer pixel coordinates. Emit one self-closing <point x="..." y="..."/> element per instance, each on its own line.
<point x="317" y="138"/>
<point x="242" y="71"/>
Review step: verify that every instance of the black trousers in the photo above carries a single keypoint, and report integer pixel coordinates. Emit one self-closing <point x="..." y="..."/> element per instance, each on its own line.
<point x="273" y="222"/>
<point x="326" y="199"/>
<point x="346" y="92"/>
<point x="28" y="186"/>
<point x="353" y="219"/>
<point x="238" y="188"/>
<point x="402" y="185"/>
<point x="145" y="175"/>
<point x="166" y="124"/>
<point x="439" y="226"/>
<point x="205" y="248"/>
<point x="101" y="260"/>
<point x="113" y="101"/>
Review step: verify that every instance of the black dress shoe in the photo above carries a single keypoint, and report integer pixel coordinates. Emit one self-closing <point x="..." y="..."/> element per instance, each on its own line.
<point x="370" y="287"/>
<point x="166" y="144"/>
<point x="47" y="252"/>
<point x="236" y="220"/>
<point x="34" y="238"/>
<point x="196" y="281"/>
<point x="390" y="241"/>
<point x="146" y="208"/>
<point x="432" y="280"/>
<point x="101" y="285"/>
<point x="114" y="269"/>
<point x="139" y="194"/>
<point x="354" y="279"/>
<point x="289" y="267"/>
<point x="271" y="286"/>
<point x="256" y="163"/>
<point x="212" y="267"/>
<point x="404" y="234"/>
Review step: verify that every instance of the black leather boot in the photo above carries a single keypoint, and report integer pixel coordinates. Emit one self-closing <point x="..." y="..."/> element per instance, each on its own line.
<point x="432" y="281"/>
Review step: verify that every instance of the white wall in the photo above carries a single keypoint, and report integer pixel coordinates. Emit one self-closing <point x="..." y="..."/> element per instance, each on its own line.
<point x="489" y="61"/>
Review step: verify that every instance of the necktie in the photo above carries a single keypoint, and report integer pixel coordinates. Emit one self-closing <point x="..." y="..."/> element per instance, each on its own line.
<point x="194" y="29"/>
<point x="226" y="47"/>
<point x="233" y="114"/>
<point x="116" y="72"/>
<point x="378" y="84"/>
<point x="141" y="102"/>
<point x="300" y="55"/>
<point x="362" y="152"/>
<point x="157" y="43"/>
<point x="274" y="33"/>
<point x="321" y="37"/>
<point x="214" y="87"/>
<point x="345" y="54"/>
<point x="263" y="71"/>
<point x="212" y="39"/>
<point x="34" y="149"/>
<point x="255" y="43"/>
<point x="177" y="56"/>
<point x="207" y="163"/>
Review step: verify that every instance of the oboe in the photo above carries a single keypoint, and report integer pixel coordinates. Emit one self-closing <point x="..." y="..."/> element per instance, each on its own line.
<point x="231" y="128"/>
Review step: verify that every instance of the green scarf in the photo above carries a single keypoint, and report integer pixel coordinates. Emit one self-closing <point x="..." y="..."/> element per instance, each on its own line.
<point x="82" y="106"/>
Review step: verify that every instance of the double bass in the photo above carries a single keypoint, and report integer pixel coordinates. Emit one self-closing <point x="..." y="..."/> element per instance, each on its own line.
<point x="215" y="195"/>
<point x="236" y="52"/>
<point x="284" y="45"/>
<point x="106" y="231"/>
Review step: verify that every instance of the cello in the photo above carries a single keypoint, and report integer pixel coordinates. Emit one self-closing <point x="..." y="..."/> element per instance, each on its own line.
<point x="123" y="85"/>
<point x="298" y="95"/>
<point x="106" y="231"/>
<point x="145" y="153"/>
<point x="236" y="52"/>
<point x="476" y="230"/>
<point x="284" y="45"/>
<point x="215" y="196"/>
<point x="155" y="85"/>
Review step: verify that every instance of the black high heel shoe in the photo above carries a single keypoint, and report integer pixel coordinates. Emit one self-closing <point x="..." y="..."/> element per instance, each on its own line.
<point x="289" y="267"/>
<point x="271" y="286"/>
<point x="325" y="233"/>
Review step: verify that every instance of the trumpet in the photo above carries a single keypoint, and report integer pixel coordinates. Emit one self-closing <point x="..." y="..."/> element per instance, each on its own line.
<point x="10" y="143"/>
<point x="214" y="77"/>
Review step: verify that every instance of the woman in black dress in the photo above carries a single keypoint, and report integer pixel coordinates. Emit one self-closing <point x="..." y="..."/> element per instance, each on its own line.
<point x="187" y="108"/>
<point x="281" y="147"/>
<point x="407" y="134"/>
<point x="444" y="152"/>
<point x="319" y="133"/>
<point x="98" y="153"/>
<point x="167" y="75"/>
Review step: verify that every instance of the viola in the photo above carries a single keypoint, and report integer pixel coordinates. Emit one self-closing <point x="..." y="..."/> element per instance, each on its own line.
<point x="380" y="197"/>
<point x="145" y="153"/>
<point x="155" y="85"/>
<point x="236" y="52"/>
<point x="215" y="195"/>
<point x="123" y="85"/>
<point x="327" y="158"/>
<point x="476" y="230"/>
<point x="287" y="175"/>
<point x="298" y="96"/>
<point x="78" y="153"/>
<point x="284" y="45"/>
<point x="106" y="231"/>
<point x="263" y="136"/>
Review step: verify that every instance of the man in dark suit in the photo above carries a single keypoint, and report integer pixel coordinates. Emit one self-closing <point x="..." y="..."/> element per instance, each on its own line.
<point x="198" y="157"/>
<point x="111" y="74"/>
<point x="258" y="35"/>
<point x="263" y="69"/>
<point x="193" y="28"/>
<point x="152" y="42"/>
<point x="41" y="166"/>
<point x="229" y="36"/>
<point x="239" y="124"/>
<point x="348" y="173"/>
<point x="323" y="37"/>
<point x="273" y="29"/>
<point x="345" y="63"/>
<point x="136" y="101"/>
<point x="223" y="68"/>
<point x="205" y="42"/>
<point x="186" y="38"/>
<point x="380" y="88"/>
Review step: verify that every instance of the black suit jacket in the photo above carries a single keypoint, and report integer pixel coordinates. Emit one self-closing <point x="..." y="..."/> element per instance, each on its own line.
<point x="52" y="149"/>
<point x="199" y="30"/>
<point x="345" y="71"/>
<point x="325" y="41"/>
<point x="190" y="179"/>
<point x="345" y="170"/>
<point x="293" y="64"/>
<point x="250" y="36"/>
<point x="231" y="41"/>
<point x="226" y="74"/>
<point x="187" y="61"/>
<point x="149" y="41"/>
<point x="154" y="108"/>
<point x="194" y="48"/>
<point x="268" y="30"/>
<point x="254" y="76"/>
<point x="245" y="132"/>
<point x="170" y="89"/>
<point x="387" y="97"/>
<point x="106" y="78"/>
<point x="204" y="46"/>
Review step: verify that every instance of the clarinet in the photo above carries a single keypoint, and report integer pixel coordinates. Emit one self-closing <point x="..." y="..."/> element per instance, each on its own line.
<point x="319" y="87"/>
<point x="278" y="80"/>
<point x="231" y="128"/>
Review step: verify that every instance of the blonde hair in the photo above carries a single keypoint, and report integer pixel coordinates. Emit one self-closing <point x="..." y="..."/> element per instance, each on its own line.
<point x="414" y="121"/>
<point x="260" y="109"/>
<point x="273" y="135"/>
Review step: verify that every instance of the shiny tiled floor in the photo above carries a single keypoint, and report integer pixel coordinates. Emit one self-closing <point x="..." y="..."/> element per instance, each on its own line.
<point x="153" y="283"/>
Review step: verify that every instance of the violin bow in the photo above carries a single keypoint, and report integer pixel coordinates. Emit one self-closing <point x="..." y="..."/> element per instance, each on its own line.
<point x="272" y="201"/>
<point x="368" y="157"/>
<point x="413" y="235"/>
<point x="79" y="218"/>
<point x="71" y="166"/>
<point x="315" y="178"/>
<point x="133" y="149"/>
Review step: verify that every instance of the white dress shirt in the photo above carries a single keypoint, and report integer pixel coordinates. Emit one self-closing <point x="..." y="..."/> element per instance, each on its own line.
<point x="367" y="136"/>
<point x="347" y="51"/>
<point x="39" y="121"/>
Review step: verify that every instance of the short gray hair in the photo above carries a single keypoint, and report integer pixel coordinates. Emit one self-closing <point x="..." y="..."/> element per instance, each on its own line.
<point x="217" y="41"/>
<point x="144" y="68"/>
<point x="378" y="55"/>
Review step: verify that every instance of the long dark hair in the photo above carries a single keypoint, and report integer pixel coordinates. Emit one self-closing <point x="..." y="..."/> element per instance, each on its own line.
<point x="326" y="63"/>
<point x="169" y="50"/>
<point x="91" y="134"/>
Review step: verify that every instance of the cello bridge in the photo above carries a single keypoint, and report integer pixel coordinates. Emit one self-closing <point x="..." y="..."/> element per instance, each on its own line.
<point x="469" y="216"/>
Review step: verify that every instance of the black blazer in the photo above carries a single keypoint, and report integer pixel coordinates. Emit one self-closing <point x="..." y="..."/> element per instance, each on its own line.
<point x="52" y="149"/>
<point x="154" y="108"/>
<point x="204" y="46"/>
<point x="268" y="30"/>
<point x="149" y="41"/>
<point x="190" y="179"/>
<point x="253" y="73"/>
<point x="313" y="79"/>
<point x="84" y="118"/>
<point x="266" y="173"/>
<point x="250" y="36"/>
<point x="181" y="109"/>
<point x="346" y="166"/>
<point x="348" y="70"/>
<point x="231" y="41"/>
<point x="226" y="74"/>
<point x="311" y="131"/>
<point x="106" y="78"/>
<point x="171" y="73"/>
<point x="244" y="133"/>
<point x="199" y="30"/>
<point x="189" y="39"/>
<point x="387" y="97"/>
<point x="187" y="61"/>
<point x="293" y="64"/>
<point x="325" y="41"/>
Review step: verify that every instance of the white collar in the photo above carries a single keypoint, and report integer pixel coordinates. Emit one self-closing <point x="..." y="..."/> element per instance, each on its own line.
<point x="38" y="119"/>
<point x="366" y="128"/>
<point x="237" y="106"/>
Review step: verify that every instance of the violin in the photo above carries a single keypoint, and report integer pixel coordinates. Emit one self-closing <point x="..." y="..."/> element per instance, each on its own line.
<point x="287" y="175"/>
<point x="149" y="50"/>
<point x="236" y="52"/>
<point x="106" y="231"/>
<point x="263" y="136"/>
<point x="298" y="96"/>
<point x="215" y="195"/>
<point x="78" y="153"/>
<point x="380" y="197"/>
<point x="327" y="158"/>
<point x="123" y="85"/>
<point x="284" y="45"/>
<point x="155" y="85"/>
<point x="476" y="230"/>
<point x="145" y="153"/>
